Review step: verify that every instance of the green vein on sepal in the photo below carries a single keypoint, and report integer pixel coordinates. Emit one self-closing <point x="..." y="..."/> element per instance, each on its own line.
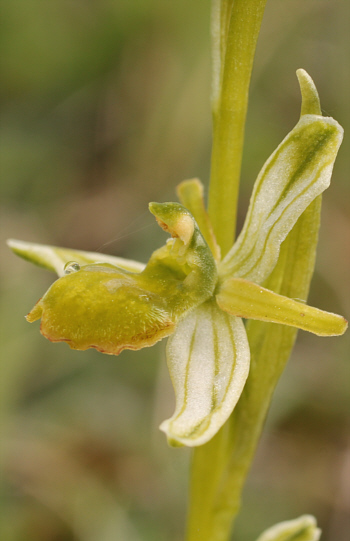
<point x="208" y="360"/>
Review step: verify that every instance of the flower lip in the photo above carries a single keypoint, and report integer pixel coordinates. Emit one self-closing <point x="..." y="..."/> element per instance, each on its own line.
<point x="102" y="306"/>
<point x="85" y="311"/>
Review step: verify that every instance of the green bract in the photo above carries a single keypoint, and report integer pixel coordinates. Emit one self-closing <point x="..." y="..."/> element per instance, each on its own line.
<point x="185" y="291"/>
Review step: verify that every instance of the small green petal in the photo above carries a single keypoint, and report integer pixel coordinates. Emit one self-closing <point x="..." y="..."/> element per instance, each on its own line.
<point x="297" y="172"/>
<point x="111" y="309"/>
<point x="208" y="359"/>
<point x="191" y="195"/>
<point x="303" y="528"/>
<point x="248" y="300"/>
<point x="54" y="259"/>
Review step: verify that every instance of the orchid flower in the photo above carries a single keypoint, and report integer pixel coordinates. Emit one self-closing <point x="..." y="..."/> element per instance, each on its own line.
<point x="187" y="293"/>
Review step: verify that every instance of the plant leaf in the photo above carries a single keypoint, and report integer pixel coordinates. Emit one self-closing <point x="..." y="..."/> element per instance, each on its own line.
<point x="303" y="528"/>
<point x="248" y="300"/>
<point x="208" y="359"/>
<point x="54" y="259"/>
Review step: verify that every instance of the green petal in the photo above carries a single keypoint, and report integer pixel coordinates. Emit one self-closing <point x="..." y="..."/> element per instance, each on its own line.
<point x="208" y="359"/>
<point x="303" y="528"/>
<point x="105" y="307"/>
<point x="248" y="300"/>
<point x="191" y="195"/>
<point x="54" y="259"/>
<point x="296" y="173"/>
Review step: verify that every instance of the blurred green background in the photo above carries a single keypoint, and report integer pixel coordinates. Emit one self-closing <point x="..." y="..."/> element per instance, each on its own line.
<point x="105" y="106"/>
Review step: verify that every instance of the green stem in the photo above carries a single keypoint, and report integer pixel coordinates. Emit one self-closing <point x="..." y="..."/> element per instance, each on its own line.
<point x="234" y="47"/>
<point x="236" y="26"/>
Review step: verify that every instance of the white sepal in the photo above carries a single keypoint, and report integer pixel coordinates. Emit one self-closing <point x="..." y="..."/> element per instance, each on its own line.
<point x="208" y="359"/>
<point x="303" y="528"/>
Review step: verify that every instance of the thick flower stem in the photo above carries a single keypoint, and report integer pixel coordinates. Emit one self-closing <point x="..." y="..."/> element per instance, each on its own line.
<point x="233" y="63"/>
<point x="236" y="26"/>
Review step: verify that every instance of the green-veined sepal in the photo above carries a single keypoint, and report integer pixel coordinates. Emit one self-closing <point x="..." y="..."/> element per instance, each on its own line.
<point x="54" y="258"/>
<point x="252" y="301"/>
<point x="208" y="359"/>
<point x="303" y="528"/>
<point x="295" y="174"/>
<point x="108" y="308"/>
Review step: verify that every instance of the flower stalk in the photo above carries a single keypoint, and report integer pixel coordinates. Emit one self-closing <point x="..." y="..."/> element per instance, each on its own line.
<point x="235" y="30"/>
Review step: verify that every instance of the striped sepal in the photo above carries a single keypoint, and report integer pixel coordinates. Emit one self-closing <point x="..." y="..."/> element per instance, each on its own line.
<point x="295" y="174"/>
<point x="208" y="359"/>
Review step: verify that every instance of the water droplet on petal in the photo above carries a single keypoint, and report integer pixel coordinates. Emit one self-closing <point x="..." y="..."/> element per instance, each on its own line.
<point x="71" y="266"/>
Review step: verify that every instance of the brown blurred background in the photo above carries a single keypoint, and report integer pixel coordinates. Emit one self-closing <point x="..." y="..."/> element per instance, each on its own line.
<point x="105" y="106"/>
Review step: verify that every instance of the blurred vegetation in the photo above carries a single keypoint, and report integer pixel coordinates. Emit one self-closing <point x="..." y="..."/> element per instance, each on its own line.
<point x="105" y="106"/>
